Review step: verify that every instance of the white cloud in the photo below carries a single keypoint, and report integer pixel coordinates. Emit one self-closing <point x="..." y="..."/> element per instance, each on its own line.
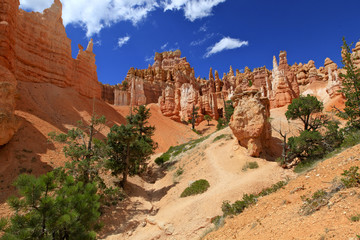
<point x="225" y="44"/>
<point x="164" y="46"/>
<point x="35" y="5"/>
<point x="123" y="40"/>
<point x="94" y="15"/>
<point x="193" y="9"/>
<point x="149" y="59"/>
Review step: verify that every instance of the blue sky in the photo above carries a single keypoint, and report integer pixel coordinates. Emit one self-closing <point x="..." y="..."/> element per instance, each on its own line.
<point x="210" y="33"/>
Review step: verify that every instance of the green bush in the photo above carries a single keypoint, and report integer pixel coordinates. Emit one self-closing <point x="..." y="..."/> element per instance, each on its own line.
<point x="251" y="165"/>
<point x="221" y="124"/>
<point x="355" y="218"/>
<point x="239" y="206"/>
<point x="351" y="177"/>
<point x="195" y="188"/>
<point x="272" y="189"/>
<point x="248" y="200"/>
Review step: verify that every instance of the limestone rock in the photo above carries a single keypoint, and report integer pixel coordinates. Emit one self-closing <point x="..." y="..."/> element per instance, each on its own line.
<point x="249" y="122"/>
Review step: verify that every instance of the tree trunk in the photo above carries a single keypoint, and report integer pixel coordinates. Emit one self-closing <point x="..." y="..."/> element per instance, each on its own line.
<point x="126" y="170"/>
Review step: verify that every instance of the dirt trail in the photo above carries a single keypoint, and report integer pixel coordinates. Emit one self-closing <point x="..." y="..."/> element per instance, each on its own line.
<point x="218" y="162"/>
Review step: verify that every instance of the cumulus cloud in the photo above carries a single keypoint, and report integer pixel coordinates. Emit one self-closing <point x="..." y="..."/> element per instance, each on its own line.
<point x="123" y="40"/>
<point x="94" y="15"/>
<point x="225" y="44"/>
<point x="193" y="9"/>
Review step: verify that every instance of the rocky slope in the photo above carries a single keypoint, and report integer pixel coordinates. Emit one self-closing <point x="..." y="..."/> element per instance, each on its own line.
<point x="278" y="215"/>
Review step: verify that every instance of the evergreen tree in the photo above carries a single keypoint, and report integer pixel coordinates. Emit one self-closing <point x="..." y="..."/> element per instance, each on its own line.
<point x="303" y="108"/>
<point x="229" y="110"/>
<point x="194" y="116"/>
<point x="351" y="87"/>
<point x="131" y="145"/>
<point x="53" y="206"/>
<point x="208" y="119"/>
<point x="87" y="153"/>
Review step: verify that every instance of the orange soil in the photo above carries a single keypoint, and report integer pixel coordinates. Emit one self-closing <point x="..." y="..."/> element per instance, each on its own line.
<point x="277" y="216"/>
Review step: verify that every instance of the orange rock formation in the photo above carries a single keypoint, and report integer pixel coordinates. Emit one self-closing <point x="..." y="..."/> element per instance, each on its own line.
<point x="249" y="122"/>
<point x="34" y="47"/>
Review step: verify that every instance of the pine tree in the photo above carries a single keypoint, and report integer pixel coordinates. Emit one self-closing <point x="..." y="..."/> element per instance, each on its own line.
<point x="87" y="153"/>
<point x="53" y="206"/>
<point x="131" y="145"/>
<point x="351" y="87"/>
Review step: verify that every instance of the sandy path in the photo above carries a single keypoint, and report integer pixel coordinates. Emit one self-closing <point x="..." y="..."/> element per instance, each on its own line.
<point x="221" y="164"/>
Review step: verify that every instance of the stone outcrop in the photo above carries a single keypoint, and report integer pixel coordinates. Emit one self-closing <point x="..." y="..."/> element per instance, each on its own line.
<point x="8" y="22"/>
<point x="249" y="122"/>
<point x="43" y="53"/>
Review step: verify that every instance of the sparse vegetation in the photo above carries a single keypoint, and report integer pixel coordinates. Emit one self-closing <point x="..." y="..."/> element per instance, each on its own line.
<point x="227" y="136"/>
<point x="195" y="188"/>
<point x="176" y="150"/>
<point x="351" y="177"/>
<point x="355" y="218"/>
<point x="319" y="199"/>
<point x="250" y="165"/>
<point x="248" y="200"/>
<point x="179" y="172"/>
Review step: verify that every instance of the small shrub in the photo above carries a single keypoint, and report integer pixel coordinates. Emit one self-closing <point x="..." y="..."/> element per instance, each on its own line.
<point x="319" y="198"/>
<point x="351" y="177"/>
<point x="251" y="165"/>
<point x="355" y="218"/>
<point x="238" y="206"/>
<point x="195" y="188"/>
<point x="179" y="172"/>
<point x="221" y="124"/>
<point x="218" y="221"/>
<point x="272" y="189"/>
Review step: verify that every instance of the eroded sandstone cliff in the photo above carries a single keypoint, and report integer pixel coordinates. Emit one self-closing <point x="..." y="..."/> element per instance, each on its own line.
<point x="34" y="48"/>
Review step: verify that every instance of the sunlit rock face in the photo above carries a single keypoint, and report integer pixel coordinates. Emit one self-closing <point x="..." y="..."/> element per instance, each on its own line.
<point x="249" y="122"/>
<point x="43" y="53"/>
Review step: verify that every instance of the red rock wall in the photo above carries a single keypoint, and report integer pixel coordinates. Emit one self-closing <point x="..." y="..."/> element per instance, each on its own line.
<point x="43" y="53"/>
<point x="8" y="122"/>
